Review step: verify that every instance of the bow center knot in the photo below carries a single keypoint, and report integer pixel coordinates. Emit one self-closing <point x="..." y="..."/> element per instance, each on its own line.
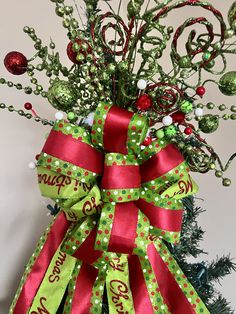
<point x="121" y="178"/>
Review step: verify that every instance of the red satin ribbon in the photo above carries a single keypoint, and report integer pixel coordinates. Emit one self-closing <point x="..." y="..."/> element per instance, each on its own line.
<point x="121" y="177"/>
<point x="164" y="161"/>
<point x="83" y="291"/>
<point x="116" y="130"/>
<point x="73" y="150"/>
<point x="142" y="303"/>
<point x="162" y="218"/>
<point x="34" y="279"/>
<point x="86" y="251"/>
<point x="170" y="290"/>
<point x="123" y="233"/>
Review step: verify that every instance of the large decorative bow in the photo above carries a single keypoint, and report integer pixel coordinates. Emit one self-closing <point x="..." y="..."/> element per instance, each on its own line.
<point x="118" y="205"/>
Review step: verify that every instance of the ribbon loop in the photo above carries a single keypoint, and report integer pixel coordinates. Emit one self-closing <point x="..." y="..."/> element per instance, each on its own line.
<point x="165" y="215"/>
<point x="117" y="130"/>
<point x="121" y="179"/>
<point x="66" y="152"/>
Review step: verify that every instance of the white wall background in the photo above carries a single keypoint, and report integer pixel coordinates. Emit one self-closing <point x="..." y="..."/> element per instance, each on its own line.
<point x="22" y="212"/>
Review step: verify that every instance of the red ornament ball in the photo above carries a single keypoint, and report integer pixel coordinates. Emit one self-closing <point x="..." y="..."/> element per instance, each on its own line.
<point x="28" y="106"/>
<point x="200" y="91"/>
<point x="147" y="141"/>
<point x="178" y="117"/>
<point x="16" y="63"/>
<point x="144" y="102"/>
<point x="188" y="131"/>
<point x="72" y="54"/>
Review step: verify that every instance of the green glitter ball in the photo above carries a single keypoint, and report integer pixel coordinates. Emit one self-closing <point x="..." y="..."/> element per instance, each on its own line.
<point x="160" y="134"/>
<point x="133" y="8"/>
<point x="62" y="95"/>
<point x="232" y="15"/>
<point x="209" y="123"/>
<point x="206" y="56"/>
<point x="186" y="106"/>
<point x="218" y="174"/>
<point x="71" y="116"/>
<point x="170" y="131"/>
<point x="210" y="64"/>
<point x="227" y="84"/>
<point x="226" y="182"/>
<point x="184" y="62"/>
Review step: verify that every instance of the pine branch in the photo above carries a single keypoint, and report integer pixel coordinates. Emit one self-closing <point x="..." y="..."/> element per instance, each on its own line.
<point x="220" y="268"/>
<point x="220" y="306"/>
<point x="191" y="234"/>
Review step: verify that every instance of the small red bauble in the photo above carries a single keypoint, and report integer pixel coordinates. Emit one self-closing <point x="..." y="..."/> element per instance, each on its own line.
<point x="178" y="117"/>
<point x="28" y="106"/>
<point x="144" y="102"/>
<point x="16" y="63"/>
<point x="72" y="54"/>
<point x="188" y="131"/>
<point x="200" y="91"/>
<point x="147" y="141"/>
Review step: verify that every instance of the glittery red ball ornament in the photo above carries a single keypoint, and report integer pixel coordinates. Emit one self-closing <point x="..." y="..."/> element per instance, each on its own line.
<point x="178" y="117"/>
<point x="188" y="131"/>
<point x="72" y="54"/>
<point x="144" y="102"/>
<point x="200" y="90"/>
<point x="147" y="141"/>
<point x="16" y="63"/>
<point x="28" y="106"/>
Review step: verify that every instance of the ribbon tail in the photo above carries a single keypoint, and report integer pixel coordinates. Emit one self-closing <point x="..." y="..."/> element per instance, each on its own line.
<point x="85" y="290"/>
<point x="145" y="290"/>
<point x="176" y="290"/>
<point x="38" y="265"/>
<point x="118" y="287"/>
<point x="54" y="284"/>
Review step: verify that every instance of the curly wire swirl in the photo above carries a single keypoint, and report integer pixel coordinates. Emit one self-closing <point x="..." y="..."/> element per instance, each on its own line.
<point x="205" y="5"/>
<point x="119" y="27"/>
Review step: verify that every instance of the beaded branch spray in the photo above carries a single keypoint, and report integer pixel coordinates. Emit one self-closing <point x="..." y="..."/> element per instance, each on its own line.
<point x="108" y="70"/>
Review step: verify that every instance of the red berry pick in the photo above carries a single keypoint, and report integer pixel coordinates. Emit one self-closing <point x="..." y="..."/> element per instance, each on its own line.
<point x="188" y="131"/>
<point x="147" y="141"/>
<point x="178" y="117"/>
<point x="200" y="91"/>
<point x="144" y="102"/>
<point x="28" y="106"/>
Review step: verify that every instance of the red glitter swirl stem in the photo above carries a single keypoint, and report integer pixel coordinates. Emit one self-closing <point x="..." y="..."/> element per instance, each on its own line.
<point x="190" y="22"/>
<point x="177" y="5"/>
<point x="116" y="27"/>
<point x="168" y="96"/>
<point x="152" y="86"/>
<point x="131" y="26"/>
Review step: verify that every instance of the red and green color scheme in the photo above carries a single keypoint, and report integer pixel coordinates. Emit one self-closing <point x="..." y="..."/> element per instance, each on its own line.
<point x="112" y="223"/>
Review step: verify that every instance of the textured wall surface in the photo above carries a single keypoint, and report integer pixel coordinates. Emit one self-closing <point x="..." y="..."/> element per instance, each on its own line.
<point x="23" y="214"/>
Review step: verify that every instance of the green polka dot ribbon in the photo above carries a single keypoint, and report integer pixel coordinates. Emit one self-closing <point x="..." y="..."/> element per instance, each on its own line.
<point x="119" y="203"/>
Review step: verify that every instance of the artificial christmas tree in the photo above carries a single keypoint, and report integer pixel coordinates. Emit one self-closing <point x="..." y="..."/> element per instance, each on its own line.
<point x="117" y="165"/>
